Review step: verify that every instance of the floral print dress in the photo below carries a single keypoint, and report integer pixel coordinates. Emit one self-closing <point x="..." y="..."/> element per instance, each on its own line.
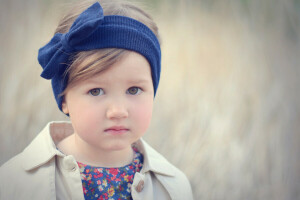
<point x="109" y="183"/>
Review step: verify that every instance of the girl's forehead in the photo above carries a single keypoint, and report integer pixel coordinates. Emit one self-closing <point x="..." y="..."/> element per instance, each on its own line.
<point x="132" y="65"/>
<point x="132" y="68"/>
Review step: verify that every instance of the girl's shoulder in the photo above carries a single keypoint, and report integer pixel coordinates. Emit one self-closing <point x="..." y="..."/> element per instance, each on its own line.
<point x="14" y="164"/>
<point x="172" y="178"/>
<point x="32" y="165"/>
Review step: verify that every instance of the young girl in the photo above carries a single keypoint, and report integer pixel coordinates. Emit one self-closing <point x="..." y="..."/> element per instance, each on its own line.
<point x="104" y="64"/>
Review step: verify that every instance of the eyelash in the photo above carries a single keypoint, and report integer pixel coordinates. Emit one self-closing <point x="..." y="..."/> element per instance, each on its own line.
<point x="99" y="91"/>
<point x="139" y="90"/>
<point x="96" y="89"/>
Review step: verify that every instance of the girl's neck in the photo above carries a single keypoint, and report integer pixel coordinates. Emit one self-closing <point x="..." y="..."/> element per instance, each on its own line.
<point x="86" y="154"/>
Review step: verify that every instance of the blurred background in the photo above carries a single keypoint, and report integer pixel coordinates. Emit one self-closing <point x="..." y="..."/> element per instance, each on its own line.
<point x="227" y="112"/>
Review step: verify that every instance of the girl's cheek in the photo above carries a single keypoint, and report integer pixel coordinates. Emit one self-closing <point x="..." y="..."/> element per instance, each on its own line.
<point x="144" y="114"/>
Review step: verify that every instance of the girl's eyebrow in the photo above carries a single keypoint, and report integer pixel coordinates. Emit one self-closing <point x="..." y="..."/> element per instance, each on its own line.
<point x="130" y="81"/>
<point x="138" y="81"/>
<point x="94" y="81"/>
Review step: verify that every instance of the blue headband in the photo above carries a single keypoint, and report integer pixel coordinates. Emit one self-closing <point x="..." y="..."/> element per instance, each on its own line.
<point x="93" y="30"/>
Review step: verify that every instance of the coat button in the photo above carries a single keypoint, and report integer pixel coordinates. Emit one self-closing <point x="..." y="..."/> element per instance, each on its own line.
<point x="73" y="168"/>
<point x="69" y="164"/>
<point x="140" y="186"/>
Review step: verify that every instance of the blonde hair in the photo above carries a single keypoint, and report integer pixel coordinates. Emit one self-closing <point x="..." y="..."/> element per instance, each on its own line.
<point x="86" y="64"/>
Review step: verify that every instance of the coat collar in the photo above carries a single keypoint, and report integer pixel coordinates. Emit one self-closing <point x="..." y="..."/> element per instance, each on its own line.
<point x="153" y="161"/>
<point x="43" y="149"/>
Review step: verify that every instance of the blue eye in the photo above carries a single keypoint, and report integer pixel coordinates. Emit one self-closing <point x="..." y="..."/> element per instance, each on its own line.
<point x="96" y="92"/>
<point x="134" y="90"/>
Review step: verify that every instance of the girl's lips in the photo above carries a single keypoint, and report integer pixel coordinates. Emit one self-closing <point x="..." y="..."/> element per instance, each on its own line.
<point x="116" y="130"/>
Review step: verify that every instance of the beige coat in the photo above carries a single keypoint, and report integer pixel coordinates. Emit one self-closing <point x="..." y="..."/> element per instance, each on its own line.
<point x="43" y="172"/>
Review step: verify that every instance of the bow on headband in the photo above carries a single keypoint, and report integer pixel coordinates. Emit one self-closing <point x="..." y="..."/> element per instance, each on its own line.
<point x="93" y="30"/>
<point x="56" y="53"/>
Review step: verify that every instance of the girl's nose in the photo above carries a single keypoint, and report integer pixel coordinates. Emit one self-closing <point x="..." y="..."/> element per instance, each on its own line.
<point x="116" y="112"/>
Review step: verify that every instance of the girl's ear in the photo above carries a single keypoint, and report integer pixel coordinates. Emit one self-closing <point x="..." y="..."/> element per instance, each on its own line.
<point x="64" y="107"/>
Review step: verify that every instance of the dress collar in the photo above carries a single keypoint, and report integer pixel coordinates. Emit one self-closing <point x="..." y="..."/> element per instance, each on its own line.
<point x="43" y="148"/>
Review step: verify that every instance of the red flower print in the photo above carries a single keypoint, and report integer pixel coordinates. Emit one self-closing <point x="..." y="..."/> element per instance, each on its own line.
<point x="109" y="183"/>
<point x="113" y="171"/>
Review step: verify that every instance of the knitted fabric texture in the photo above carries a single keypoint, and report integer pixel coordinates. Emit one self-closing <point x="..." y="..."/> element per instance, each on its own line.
<point x="92" y="30"/>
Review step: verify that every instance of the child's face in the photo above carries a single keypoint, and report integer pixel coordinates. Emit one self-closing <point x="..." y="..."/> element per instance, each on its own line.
<point x="113" y="109"/>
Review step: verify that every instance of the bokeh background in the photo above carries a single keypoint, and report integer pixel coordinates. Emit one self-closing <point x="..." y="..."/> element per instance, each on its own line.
<point x="227" y="112"/>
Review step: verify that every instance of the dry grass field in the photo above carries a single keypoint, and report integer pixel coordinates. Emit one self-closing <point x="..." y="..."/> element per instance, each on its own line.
<point x="227" y="111"/>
